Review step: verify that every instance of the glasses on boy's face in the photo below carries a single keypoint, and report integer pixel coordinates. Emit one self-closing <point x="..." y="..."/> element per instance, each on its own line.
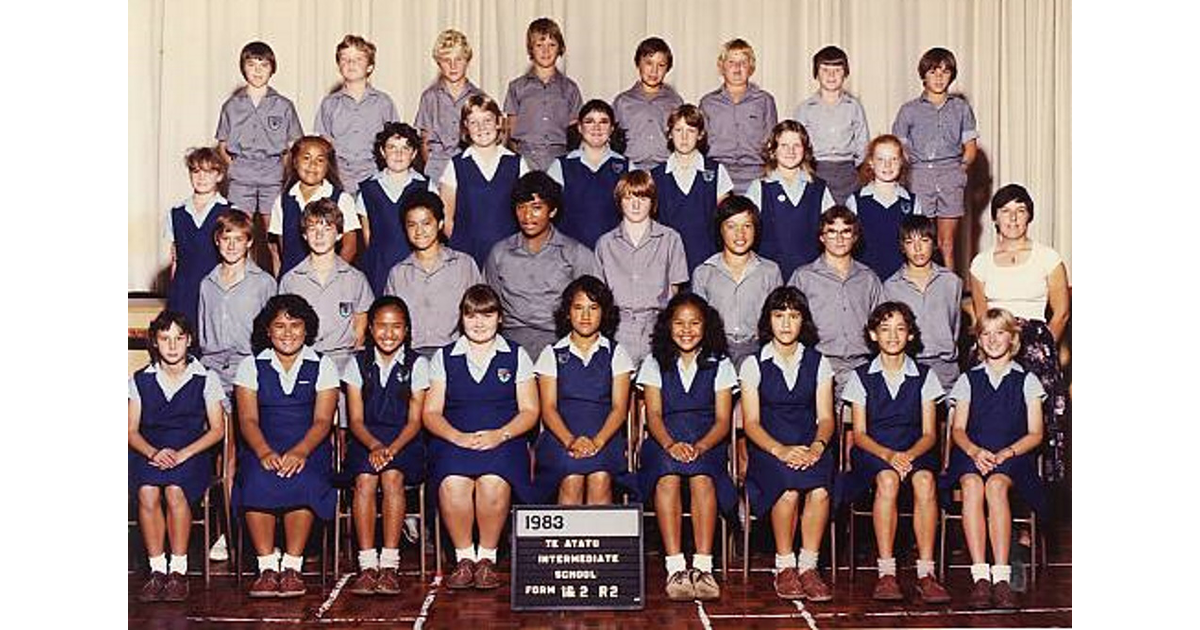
<point x="836" y="233"/>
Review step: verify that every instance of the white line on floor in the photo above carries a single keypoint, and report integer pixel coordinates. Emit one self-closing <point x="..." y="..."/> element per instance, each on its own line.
<point x="808" y="618"/>
<point x="428" y="603"/>
<point x="337" y="590"/>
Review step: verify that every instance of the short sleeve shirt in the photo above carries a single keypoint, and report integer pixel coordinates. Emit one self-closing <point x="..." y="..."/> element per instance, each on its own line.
<point x="547" y="364"/>
<point x="1031" y="387"/>
<point x="931" y="388"/>
<point x="838" y="130"/>
<point x="438" y="117"/>
<point x="738" y="301"/>
<point x="327" y="372"/>
<point x="531" y="284"/>
<point x="257" y="134"/>
<point x="345" y="293"/>
<point x="199" y="216"/>
<point x="868" y="190"/>
<point x="352" y="125"/>
<point x="737" y="131"/>
<point x="933" y="134"/>
<point x="650" y="374"/>
<point x="226" y="315"/>
<point x="644" y="118"/>
<point x="938" y="309"/>
<point x="345" y="203"/>
<point x="750" y="375"/>
<point x="840" y="306"/>
<point x="685" y="175"/>
<point x="437" y="364"/>
<point x="487" y="167"/>
<point x="794" y="189"/>
<point x="433" y="295"/>
<point x="213" y="393"/>
<point x="543" y="109"/>
<point x="418" y="381"/>
<point x="641" y="275"/>
<point x="1023" y="289"/>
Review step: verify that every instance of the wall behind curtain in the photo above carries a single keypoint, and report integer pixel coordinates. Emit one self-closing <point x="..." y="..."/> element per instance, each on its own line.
<point x="1013" y="55"/>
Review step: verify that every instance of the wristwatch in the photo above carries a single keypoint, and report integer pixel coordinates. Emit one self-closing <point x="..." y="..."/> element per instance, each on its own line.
<point x="507" y="435"/>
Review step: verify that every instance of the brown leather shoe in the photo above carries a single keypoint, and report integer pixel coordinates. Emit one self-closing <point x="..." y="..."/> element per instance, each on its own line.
<point x="365" y="582"/>
<point x="815" y="589"/>
<point x="153" y="588"/>
<point x="930" y="591"/>
<point x="291" y="584"/>
<point x="680" y="587"/>
<point x="1003" y="595"/>
<point x="389" y="582"/>
<point x="463" y="575"/>
<point x="981" y="595"/>
<point x="486" y="577"/>
<point x="887" y="589"/>
<point x="266" y="585"/>
<point x="176" y="588"/>
<point x="706" y="586"/>
<point x="787" y="584"/>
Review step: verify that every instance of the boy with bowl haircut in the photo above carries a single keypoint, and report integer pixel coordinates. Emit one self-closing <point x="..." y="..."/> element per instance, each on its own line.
<point x="836" y="123"/>
<point x="642" y="110"/>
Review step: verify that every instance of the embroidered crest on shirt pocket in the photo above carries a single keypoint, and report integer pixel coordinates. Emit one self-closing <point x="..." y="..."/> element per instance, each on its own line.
<point x="708" y="175"/>
<point x="274" y="123"/>
<point x="345" y="309"/>
<point x="504" y="374"/>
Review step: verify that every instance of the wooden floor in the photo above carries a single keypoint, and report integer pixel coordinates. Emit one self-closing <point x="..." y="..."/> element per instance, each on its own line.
<point x="751" y="605"/>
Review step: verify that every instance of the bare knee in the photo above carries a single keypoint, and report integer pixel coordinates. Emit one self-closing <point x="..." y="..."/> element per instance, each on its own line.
<point x="365" y="485"/>
<point x="176" y="499"/>
<point x="924" y="488"/>
<point x="972" y="487"/>
<point x="492" y="488"/>
<point x="817" y="497"/>
<point x="455" y="489"/>
<point x="392" y="482"/>
<point x="996" y="489"/>
<point x="887" y="484"/>
<point x="149" y="497"/>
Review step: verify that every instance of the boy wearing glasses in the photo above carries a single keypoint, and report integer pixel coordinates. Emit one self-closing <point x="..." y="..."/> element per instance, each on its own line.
<point x="841" y="293"/>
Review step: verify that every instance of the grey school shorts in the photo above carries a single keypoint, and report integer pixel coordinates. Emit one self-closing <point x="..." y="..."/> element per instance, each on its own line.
<point x="939" y="188"/>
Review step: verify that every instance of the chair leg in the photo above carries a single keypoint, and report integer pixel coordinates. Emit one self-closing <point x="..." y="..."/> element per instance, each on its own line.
<point x="1033" y="549"/>
<point x="851" y="547"/>
<point x="205" y="505"/>
<point x="942" y="546"/>
<point x="437" y="542"/>
<point x="746" y="518"/>
<point x="832" y="550"/>
<point x="423" y="533"/>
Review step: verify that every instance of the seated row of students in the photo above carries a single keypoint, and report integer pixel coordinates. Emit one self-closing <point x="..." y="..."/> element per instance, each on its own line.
<point x="477" y="396"/>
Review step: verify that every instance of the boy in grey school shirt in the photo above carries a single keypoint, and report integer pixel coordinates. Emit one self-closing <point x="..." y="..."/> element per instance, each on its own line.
<point x="543" y="102"/>
<point x="440" y="107"/>
<point x="836" y="124"/>
<point x="642" y="110"/>
<point x="934" y="294"/>
<point x="530" y="269"/>
<point x="739" y="116"/>
<point x="841" y="293"/>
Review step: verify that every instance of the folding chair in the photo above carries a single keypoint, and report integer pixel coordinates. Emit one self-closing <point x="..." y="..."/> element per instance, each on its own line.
<point x="1037" y="548"/>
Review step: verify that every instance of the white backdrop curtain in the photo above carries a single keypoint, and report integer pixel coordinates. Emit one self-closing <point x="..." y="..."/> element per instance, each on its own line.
<point x="1014" y="60"/>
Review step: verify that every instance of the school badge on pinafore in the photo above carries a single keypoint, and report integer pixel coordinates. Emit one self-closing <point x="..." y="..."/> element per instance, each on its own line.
<point x="402" y="374"/>
<point x="345" y="309"/>
<point x="781" y="197"/>
<point x="504" y="374"/>
<point x="617" y="167"/>
<point x="708" y="175"/>
<point x="563" y="357"/>
<point x="274" y="123"/>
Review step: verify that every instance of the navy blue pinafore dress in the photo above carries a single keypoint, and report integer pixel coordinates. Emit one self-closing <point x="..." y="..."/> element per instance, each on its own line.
<point x="385" y="414"/>
<point x="172" y="424"/>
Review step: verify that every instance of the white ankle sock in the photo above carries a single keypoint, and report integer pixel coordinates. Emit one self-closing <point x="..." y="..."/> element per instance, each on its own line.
<point x="702" y="562"/>
<point x="389" y="558"/>
<point x="887" y="566"/>
<point x="676" y="563"/>
<point x="368" y="559"/>
<point x="806" y="560"/>
<point x="179" y="564"/>
<point x="785" y="562"/>
<point x="159" y="563"/>
<point x="466" y="553"/>
<point x="980" y="572"/>
<point x="291" y="562"/>
<point x="487" y="554"/>
<point x="268" y="562"/>
<point x="1001" y="573"/>
<point x="924" y="568"/>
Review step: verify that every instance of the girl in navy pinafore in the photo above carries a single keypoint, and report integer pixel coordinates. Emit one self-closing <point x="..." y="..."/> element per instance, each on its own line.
<point x="482" y="399"/>
<point x="385" y="392"/>
<point x="692" y="212"/>
<point x="175" y="417"/>
<point x="584" y="382"/>
<point x="286" y="396"/>
<point x="589" y="174"/>
<point x="790" y="228"/>
<point x="307" y="179"/>
<point x="381" y="198"/>
<point x="996" y="433"/>
<point x="479" y="208"/>
<point x="687" y="444"/>
<point x="881" y="204"/>
<point x="894" y="406"/>
<point x="193" y="250"/>
<point x="787" y="408"/>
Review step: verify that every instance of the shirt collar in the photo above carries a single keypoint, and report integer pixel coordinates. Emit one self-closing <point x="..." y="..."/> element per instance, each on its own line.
<point x="471" y="152"/>
<point x="1012" y="365"/>
<point x="398" y="359"/>
<point x="675" y="164"/>
<point x="949" y="97"/>
<point x="556" y="239"/>
<point x="369" y="92"/>
<point x="909" y="369"/>
<point x="868" y="190"/>
<point x="665" y="91"/>
<point x="656" y="230"/>
<point x="577" y="154"/>
<point x="191" y="209"/>
<point x="565" y="342"/>
<point x="409" y="176"/>
<point x="468" y="89"/>
<point x="554" y="78"/>
<point x="768" y="353"/>
<point x="306" y="354"/>
<point x="774" y="176"/>
<point x="304" y="267"/>
<point x="461" y="344"/>
<point x="445" y="255"/>
<point x="752" y="91"/>
<point x="326" y="190"/>
<point x="823" y="266"/>
<point x="194" y="368"/>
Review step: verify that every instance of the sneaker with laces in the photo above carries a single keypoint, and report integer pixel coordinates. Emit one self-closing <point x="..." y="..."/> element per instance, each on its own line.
<point x="265" y="585"/>
<point x="981" y="595"/>
<point x="680" y="587"/>
<point x="486" y="577"/>
<point x="705" y="586"/>
<point x="463" y="575"/>
<point x="887" y="589"/>
<point x="1003" y="595"/>
<point x="389" y="582"/>
<point x="930" y="591"/>
<point x="220" y="550"/>
<point x="815" y="589"/>
<point x="291" y="584"/>
<point x="152" y="589"/>
<point x="176" y="589"/>
<point x="787" y="584"/>
<point x="365" y="582"/>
